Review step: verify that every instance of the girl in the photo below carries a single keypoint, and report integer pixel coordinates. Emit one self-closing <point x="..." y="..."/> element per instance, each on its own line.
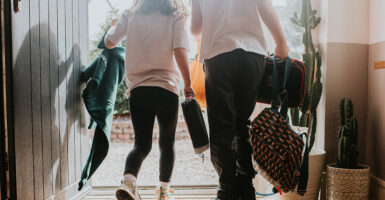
<point x="155" y="34"/>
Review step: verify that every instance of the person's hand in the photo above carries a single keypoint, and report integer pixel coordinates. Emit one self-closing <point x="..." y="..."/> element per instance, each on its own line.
<point x="282" y="51"/>
<point x="189" y="92"/>
<point x="114" y="22"/>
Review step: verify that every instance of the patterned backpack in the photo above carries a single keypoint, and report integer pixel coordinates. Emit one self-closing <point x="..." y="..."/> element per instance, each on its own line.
<point x="277" y="149"/>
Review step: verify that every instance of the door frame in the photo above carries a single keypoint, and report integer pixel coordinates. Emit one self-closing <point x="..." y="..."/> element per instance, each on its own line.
<point x="7" y="150"/>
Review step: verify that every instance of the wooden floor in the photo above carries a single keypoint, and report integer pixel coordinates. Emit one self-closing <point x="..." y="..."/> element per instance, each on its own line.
<point x="147" y="193"/>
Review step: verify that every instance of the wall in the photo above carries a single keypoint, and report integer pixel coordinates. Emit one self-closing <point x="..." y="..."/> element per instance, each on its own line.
<point x="50" y="44"/>
<point x="344" y="37"/>
<point x="349" y="40"/>
<point x="375" y="148"/>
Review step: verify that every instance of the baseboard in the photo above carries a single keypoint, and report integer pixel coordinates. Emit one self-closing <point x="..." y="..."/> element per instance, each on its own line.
<point x="72" y="193"/>
<point x="377" y="188"/>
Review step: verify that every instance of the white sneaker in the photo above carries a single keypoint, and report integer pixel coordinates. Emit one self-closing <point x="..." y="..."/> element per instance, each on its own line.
<point x="164" y="194"/>
<point x="128" y="191"/>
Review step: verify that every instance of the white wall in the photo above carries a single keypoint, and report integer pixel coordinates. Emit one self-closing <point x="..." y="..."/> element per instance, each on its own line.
<point x="348" y="21"/>
<point x="377" y="22"/>
<point x="375" y="149"/>
<point x="344" y="37"/>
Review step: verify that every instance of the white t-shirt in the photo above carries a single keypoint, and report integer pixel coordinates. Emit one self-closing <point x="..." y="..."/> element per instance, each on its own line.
<point x="228" y="25"/>
<point x="150" y="40"/>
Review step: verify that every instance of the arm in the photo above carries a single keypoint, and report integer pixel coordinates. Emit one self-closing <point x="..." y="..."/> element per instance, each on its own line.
<point x="196" y="19"/>
<point x="269" y="16"/>
<point x="117" y="31"/>
<point x="182" y="61"/>
<point x="107" y="42"/>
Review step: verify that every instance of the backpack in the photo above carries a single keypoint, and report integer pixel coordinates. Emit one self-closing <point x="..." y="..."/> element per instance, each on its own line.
<point x="277" y="149"/>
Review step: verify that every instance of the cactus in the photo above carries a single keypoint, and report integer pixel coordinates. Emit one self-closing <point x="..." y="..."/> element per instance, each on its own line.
<point x="347" y="136"/>
<point x="306" y="115"/>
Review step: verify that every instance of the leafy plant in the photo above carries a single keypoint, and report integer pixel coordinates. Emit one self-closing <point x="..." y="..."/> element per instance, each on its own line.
<point x="347" y="136"/>
<point x="292" y="32"/>
<point x="122" y="105"/>
<point x="306" y="114"/>
<point x="93" y="46"/>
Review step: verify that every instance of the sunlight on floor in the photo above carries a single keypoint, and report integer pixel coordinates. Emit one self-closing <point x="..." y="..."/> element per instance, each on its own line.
<point x="201" y="193"/>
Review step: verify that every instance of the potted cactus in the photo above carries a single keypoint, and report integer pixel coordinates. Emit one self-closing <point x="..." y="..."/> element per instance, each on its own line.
<point x="305" y="117"/>
<point x="347" y="179"/>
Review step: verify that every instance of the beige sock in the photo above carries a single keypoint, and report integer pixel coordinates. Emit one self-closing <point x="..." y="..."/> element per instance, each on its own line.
<point x="164" y="185"/>
<point x="129" y="177"/>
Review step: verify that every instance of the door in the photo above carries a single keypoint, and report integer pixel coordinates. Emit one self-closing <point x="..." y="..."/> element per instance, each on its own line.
<point x="7" y="178"/>
<point x="49" y="48"/>
<point x="2" y="131"/>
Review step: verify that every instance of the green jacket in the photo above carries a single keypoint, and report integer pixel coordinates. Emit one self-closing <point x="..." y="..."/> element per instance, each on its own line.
<point x="104" y="76"/>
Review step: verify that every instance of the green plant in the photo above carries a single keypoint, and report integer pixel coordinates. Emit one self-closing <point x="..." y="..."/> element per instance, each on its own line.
<point x="122" y="103"/>
<point x="347" y="136"/>
<point x="306" y="114"/>
<point x="93" y="45"/>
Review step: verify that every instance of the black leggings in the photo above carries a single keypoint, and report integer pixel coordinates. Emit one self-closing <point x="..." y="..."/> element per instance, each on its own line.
<point x="146" y="103"/>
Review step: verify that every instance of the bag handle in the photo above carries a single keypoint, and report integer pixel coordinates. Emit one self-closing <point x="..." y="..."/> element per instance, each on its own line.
<point x="304" y="173"/>
<point x="274" y="192"/>
<point x="280" y="99"/>
<point x="284" y="93"/>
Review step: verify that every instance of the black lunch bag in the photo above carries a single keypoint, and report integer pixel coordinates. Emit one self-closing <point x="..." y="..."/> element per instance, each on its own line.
<point x="196" y="125"/>
<point x="295" y="87"/>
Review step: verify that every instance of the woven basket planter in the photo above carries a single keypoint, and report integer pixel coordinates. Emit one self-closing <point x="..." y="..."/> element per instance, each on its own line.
<point x="347" y="184"/>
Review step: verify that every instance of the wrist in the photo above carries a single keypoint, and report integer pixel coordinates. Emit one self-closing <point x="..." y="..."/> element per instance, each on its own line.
<point x="187" y="84"/>
<point x="282" y="44"/>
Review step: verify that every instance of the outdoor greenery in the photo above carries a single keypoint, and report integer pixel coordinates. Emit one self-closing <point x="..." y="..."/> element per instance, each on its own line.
<point x="306" y="114"/>
<point x="292" y="32"/>
<point x="347" y="136"/>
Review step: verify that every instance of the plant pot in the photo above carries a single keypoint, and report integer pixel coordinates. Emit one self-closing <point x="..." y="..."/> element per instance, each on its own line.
<point x="316" y="163"/>
<point x="346" y="184"/>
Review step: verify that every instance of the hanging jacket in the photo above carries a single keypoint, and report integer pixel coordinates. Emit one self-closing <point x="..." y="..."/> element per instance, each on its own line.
<point x="103" y="77"/>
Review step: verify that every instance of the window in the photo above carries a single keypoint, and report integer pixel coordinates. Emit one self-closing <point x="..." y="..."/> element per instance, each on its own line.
<point x="285" y="10"/>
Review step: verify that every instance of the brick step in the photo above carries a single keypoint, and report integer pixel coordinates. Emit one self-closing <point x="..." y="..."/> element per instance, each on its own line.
<point x="122" y="131"/>
<point x="128" y="125"/>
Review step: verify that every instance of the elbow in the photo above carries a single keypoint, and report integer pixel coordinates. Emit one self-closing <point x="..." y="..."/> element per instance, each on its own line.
<point x="109" y="44"/>
<point x="179" y="51"/>
<point x="196" y="31"/>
